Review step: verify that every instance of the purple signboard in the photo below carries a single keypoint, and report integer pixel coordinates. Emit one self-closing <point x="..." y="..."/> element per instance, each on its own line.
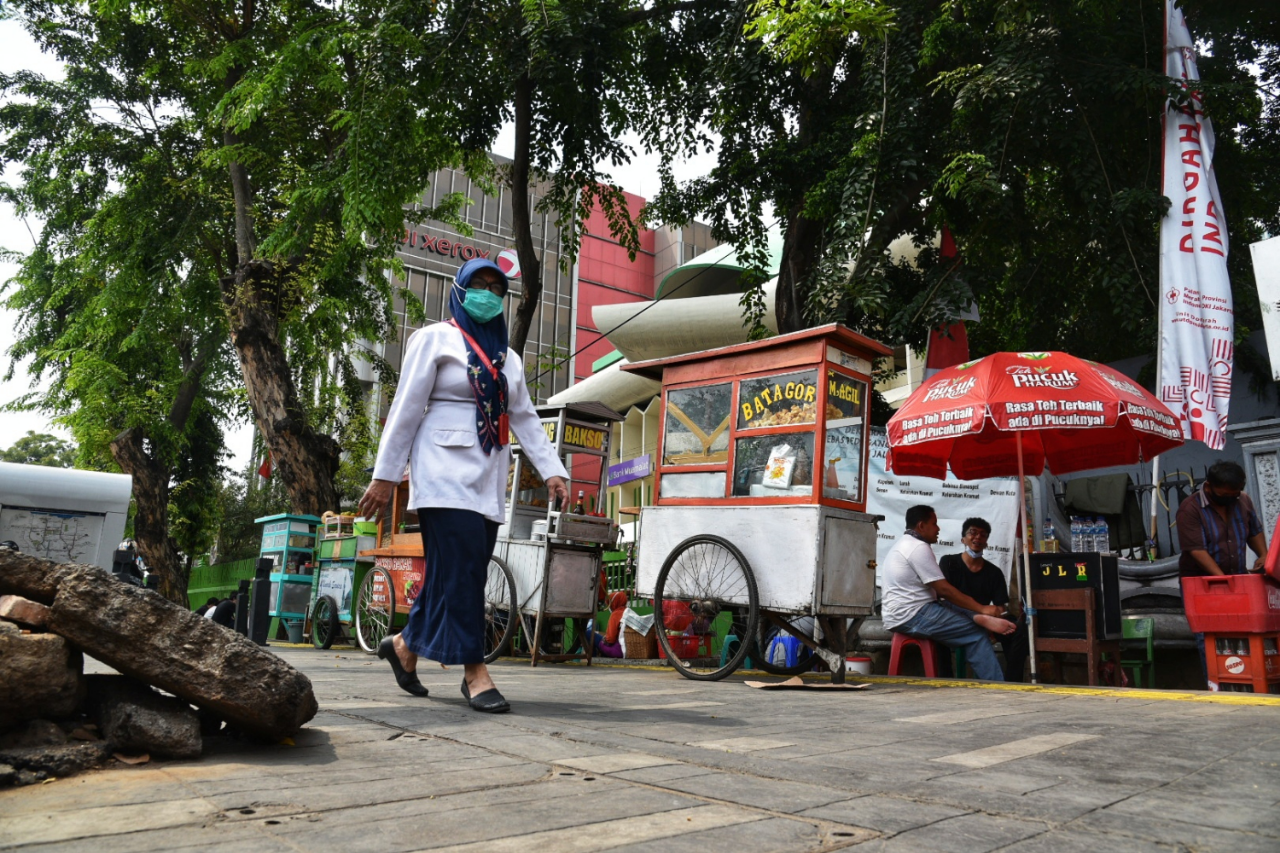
<point x="632" y="469"/>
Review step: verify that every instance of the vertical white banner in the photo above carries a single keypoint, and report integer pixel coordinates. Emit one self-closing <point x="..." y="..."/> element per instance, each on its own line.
<point x="1197" y="322"/>
<point x="1266" y="271"/>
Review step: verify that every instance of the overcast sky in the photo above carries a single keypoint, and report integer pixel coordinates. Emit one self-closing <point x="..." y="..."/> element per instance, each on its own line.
<point x="641" y="178"/>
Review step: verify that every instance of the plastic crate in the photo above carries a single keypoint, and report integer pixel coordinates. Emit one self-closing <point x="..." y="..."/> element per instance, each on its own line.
<point x="684" y="646"/>
<point x="1232" y="604"/>
<point x="1248" y="657"/>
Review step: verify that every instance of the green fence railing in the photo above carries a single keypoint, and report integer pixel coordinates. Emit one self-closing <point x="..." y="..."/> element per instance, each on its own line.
<point x="217" y="581"/>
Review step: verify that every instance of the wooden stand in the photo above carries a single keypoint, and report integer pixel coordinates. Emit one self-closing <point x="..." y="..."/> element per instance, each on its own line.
<point x="1090" y="646"/>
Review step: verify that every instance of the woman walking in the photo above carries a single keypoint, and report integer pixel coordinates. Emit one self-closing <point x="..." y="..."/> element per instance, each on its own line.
<point x="460" y="387"/>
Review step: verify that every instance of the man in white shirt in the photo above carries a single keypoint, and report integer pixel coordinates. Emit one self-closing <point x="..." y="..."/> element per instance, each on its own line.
<point x="913" y="583"/>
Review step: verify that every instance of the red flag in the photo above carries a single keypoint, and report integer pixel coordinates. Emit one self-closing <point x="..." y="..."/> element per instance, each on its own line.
<point x="948" y="345"/>
<point x="264" y="470"/>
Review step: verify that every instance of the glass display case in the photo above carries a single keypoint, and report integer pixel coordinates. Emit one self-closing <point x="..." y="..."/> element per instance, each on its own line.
<point x="768" y="422"/>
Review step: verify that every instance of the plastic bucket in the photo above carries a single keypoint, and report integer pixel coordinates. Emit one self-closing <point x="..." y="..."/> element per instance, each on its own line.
<point x="858" y="665"/>
<point x="294" y="630"/>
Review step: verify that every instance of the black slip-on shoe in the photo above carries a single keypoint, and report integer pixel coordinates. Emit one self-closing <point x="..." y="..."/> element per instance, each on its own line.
<point x="489" y="702"/>
<point x="408" y="681"/>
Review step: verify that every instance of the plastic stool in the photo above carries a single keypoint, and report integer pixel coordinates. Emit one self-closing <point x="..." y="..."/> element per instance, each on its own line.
<point x="928" y="654"/>
<point x="727" y="651"/>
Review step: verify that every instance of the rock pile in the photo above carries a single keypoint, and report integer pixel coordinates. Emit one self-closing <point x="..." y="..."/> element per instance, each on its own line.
<point x="54" y="720"/>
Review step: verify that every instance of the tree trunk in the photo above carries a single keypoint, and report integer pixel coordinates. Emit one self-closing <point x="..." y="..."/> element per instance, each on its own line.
<point x="530" y="264"/>
<point x="800" y="247"/>
<point x="151" y="522"/>
<point x="306" y="461"/>
<point x="802" y="240"/>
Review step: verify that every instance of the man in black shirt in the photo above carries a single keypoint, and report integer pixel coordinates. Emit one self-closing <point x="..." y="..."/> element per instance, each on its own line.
<point x="983" y="581"/>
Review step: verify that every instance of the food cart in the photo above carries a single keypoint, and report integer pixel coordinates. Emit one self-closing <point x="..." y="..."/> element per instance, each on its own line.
<point x="339" y="573"/>
<point x="289" y="542"/>
<point x="546" y="562"/>
<point x="759" y="531"/>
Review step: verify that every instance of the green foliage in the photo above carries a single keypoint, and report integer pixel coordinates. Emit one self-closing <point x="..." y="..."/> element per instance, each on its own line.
<point x="237" y="504"/>
<point x="811" y="34"/>
<point x="40" y="448"/>
<point x="1030" y="129"/>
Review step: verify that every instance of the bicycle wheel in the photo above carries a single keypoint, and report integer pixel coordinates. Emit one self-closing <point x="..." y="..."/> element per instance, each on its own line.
<point x="705" y="590"/>
<point x="375" y="609"/>
<point x="499" y="609"/>
<point x="771" y="651"/>
<point x="324" y="622"/>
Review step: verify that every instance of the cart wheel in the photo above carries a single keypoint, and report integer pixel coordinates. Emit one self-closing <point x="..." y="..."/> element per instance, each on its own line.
<point x="706" y="588"/>
<point x="499" y="609"/>
<point x="772" y="658"/>
<point x="324" y="622"/>
<point x="374" y="610"/>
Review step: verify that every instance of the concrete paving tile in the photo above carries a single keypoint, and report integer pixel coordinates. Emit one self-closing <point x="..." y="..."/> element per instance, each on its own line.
<point x="883" y="814"/>
<point x="972" y="833"/>
<point x="214" y="836"/>
<point x="642" y="829"/>
<point x="612" y="763"/>
<point x="742" y="744"/>
<point x="111" y="787"/>
<point x="27" y="829"/>
<point x="759" y="792"/>
<point x="323" y="796"/>
<point x="1072" y="841"/>
<point x="1162" y="827"/>
<point x="763" y="836"/>
<point x="1208" y="808"/>
<point x="661" y="773"/>
<point x="1014" y="749"/>
<point x="480" y="817"/>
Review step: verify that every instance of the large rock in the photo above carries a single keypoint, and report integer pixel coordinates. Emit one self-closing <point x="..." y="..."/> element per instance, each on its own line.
<point x="134" y="718"/>
<point x="141" y="634"/>
<point x="24" y="611"/>
<point x="32" y="577"/>
<point x="40" y="677"/>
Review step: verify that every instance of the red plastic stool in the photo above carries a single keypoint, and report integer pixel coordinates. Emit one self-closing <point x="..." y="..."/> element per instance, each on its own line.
<point x="928" y="653"/>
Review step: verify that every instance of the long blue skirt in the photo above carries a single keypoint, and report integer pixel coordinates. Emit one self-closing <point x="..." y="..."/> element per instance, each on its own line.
<point x="446" y="621"/>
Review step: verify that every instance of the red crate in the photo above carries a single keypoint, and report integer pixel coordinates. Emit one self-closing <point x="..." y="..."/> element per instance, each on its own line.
<point x="1247" y="657"/>
<point x="1232" y="604"/>
<point x="684" y="646"/>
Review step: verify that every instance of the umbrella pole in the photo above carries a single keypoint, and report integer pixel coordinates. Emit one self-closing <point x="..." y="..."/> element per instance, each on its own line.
<point x="1028" y="611"/>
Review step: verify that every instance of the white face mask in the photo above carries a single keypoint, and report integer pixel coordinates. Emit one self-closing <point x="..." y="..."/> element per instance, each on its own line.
<point x="972" y="553"/>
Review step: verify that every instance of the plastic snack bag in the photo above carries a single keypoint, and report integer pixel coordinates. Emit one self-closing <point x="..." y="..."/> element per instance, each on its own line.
<point x="779" y="468"/>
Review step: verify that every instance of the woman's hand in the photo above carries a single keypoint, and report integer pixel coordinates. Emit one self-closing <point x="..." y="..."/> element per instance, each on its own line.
<point x="557" y="489"/>
<point x="375" y="498"/>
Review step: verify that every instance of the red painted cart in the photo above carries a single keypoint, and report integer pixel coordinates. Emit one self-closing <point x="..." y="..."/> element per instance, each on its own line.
<point x="760" y="531"/>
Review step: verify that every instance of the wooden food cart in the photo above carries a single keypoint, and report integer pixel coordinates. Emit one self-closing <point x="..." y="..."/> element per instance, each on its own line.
<point x="759" y="529"/>
<point x="546" y="563"/>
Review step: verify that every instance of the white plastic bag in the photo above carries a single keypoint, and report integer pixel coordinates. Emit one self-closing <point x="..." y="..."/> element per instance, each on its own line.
<point x="780" y="467"/>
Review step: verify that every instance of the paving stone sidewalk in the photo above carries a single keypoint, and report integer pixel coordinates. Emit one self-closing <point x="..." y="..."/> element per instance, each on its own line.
<point x="627" y="759"/>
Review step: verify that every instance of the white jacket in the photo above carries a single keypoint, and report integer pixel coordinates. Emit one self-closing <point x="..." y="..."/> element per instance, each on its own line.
<point x="432" y="423"/>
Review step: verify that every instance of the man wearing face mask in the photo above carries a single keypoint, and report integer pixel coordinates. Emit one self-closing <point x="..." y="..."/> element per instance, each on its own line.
<point x="1215" y="524"/>
<point x="975" y="576"/>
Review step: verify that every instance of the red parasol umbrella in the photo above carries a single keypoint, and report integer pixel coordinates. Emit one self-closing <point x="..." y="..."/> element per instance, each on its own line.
<point x="1015" y="411"/>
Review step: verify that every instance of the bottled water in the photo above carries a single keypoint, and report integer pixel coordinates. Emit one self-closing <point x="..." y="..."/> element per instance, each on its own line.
<point x="1104" y="536"/>
<point x="1077" y="534"/>
<point x="1049" y="534"/>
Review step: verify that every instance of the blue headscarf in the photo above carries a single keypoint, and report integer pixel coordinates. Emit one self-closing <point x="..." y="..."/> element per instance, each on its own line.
<point x="490" y="394"/>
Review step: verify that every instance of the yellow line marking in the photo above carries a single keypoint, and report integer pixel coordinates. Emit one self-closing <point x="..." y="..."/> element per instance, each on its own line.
<point x="1071" y="690"/>
<point x="1203" y="697"/>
